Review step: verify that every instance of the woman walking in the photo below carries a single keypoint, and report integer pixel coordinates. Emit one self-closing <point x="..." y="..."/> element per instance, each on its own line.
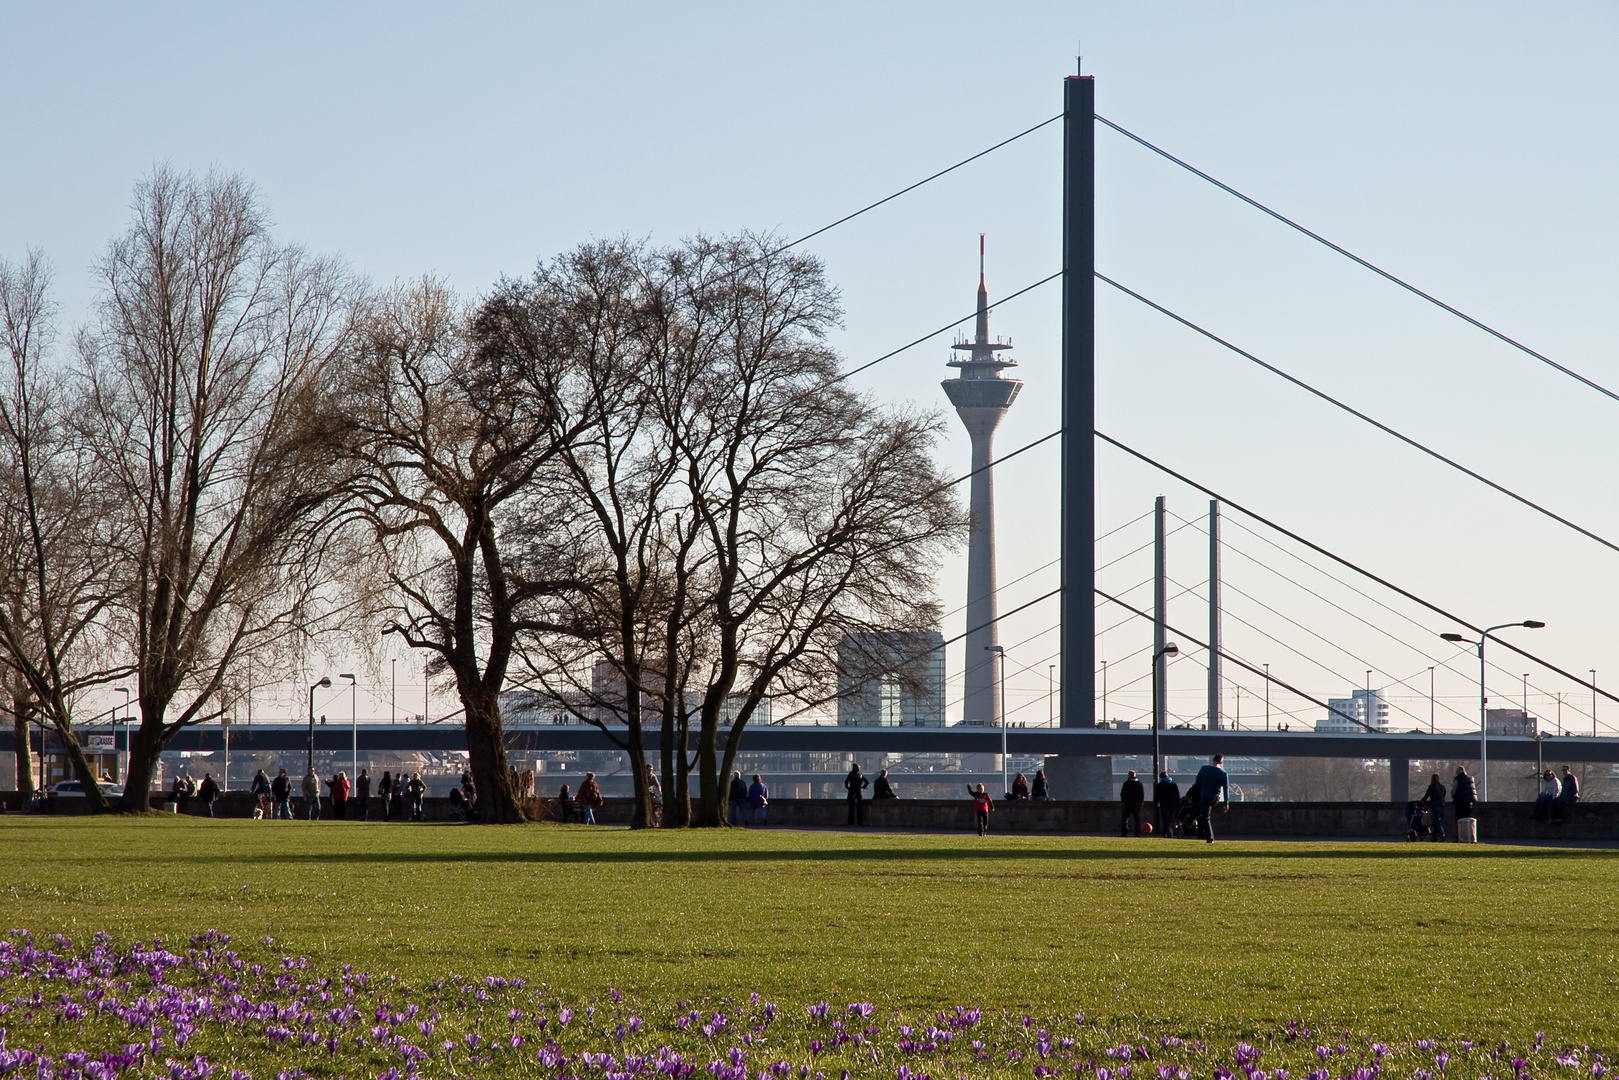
<point x="589" y="797"/>
<point x="385" y="788"/>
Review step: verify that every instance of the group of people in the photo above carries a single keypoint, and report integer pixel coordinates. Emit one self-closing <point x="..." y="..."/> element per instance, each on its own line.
<point x="582" y="805"/>
<point x="750" y="802"/>
<point x="1557" y="795"/>
<point x="185" y="788"/>
<point x="855" y="785"/>
<point x="399" y="795"/>
<point x="1211" y="788"/>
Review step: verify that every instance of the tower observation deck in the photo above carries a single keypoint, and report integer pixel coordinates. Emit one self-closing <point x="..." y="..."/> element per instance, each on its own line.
<point x="981" y="395"/>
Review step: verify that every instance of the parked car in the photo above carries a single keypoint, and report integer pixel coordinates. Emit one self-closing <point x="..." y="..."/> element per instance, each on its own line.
<point x="74" y="789"/>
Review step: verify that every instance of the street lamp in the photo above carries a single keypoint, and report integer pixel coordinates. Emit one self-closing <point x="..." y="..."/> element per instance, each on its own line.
<point x="1483" y="699"/>
<point x="1006" y="786"/>
<point x="1169" y="649"/>
<point x="120" y="762"/>
<point x="354" y="720"/>
<point x="324" y="681"/>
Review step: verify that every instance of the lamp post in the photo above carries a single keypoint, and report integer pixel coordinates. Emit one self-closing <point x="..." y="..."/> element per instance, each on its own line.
<point x="324" y="681"/>
<point x="1483" y="699"/>
<point x="1169" y="649"/>
<point x="1593" y="703"/>
<point x="1267" y="697"/>
<point x="393" y="690"/>
<point x="354" y="721"/>
<point x="121" y="763"/>
<point x="1051" y="696"/>
<point x="1006" y="786"/>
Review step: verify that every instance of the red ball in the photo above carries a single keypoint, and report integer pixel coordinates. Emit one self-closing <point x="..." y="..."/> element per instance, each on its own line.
<point x="1146" y="828"/>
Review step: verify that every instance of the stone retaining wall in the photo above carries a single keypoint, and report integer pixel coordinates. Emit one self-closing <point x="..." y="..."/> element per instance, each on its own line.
<point x="1497" y="820"/>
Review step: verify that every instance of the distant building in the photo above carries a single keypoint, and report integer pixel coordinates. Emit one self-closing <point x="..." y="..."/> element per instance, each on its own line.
<point x="1365" y="710"/>
<point x="891" y="679"/>
<point x="1509" y="722"/>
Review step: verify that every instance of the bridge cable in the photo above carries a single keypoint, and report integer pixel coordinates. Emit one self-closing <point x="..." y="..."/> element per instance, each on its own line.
<point x="918" y="657"/>
<point x="1339" y="559"/>
<point x="911" y="188"/>
<point x="1242" y="664"/>
<point x="1357" y="414"/>
<point x="1318" y="238"/>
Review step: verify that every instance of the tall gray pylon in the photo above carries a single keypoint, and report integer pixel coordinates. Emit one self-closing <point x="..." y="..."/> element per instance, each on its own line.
<point x="981" y="395"/>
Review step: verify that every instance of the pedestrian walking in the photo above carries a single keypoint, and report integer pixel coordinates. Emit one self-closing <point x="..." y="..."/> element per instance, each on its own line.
<point x="882" y="788"/>
<point x="177" y="793"/>
<point x="1166" y="800"/>
<point x="855" y="784"/>
<point x="1464" y="794"/>
<point x="469" y="792"/>
<point x="982" y="805"/>
<point x="340" y="795"/>
<point x="589" y="797"/>
<point x="281" y="796"/>
<point x="362" y="795"/>
<point x="208" y="791"/>
<point x="385" y="789"/>
<point x="1213" y="787"/>
<point x="655" y="790"/>
<point x="1041" y="791"/>
<point x="1435" y="798"/>
<point x="401" y="787"/>
<point x="737" y="799"/>
<point x="758" y="799"/>
<point x="311" y="795"/>
<point x="1131" y="796"/>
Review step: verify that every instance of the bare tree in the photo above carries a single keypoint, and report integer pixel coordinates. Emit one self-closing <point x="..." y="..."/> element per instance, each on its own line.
<point x="211" y="349"/>
<point x="451" y="415"/>
<point x="57" y="536"/>
<point x="1299" y="779"/>
<point x="751" y="509"/>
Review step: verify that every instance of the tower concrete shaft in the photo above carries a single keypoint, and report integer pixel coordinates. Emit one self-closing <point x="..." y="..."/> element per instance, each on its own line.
<point x="981" y="395"/>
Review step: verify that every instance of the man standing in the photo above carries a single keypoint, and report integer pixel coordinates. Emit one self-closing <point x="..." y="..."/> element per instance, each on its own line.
<point x="1212" y="786"/>
<point x="1567" y="796"/>
<point x="1132" y="795"/>
<point x="311" y="796"/>
<point x="1166" y="798"/>
<point x="281" y="796"/>
<point x="737" y="797"/>
<point x="1463" y="794"/>
<point x="208" y="792"/>
<point x="362" y="795"/>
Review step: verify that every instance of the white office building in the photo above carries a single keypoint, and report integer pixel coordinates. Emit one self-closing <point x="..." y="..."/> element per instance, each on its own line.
<point x="1365" y="710"/>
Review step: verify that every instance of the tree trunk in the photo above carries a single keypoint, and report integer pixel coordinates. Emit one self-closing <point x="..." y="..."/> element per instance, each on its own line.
<point x="497" y="799"/>
<point x="87" y="777"/>
<point x="711" y="804"/>
<point x="144" y="749"/>
<point x="641" y="814"/>
<point x="24" y="756"/>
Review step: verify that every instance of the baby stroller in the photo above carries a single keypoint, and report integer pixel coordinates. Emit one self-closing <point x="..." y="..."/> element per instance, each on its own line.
<point x="1185" y="825"/>
<point x="1418" y="821"/>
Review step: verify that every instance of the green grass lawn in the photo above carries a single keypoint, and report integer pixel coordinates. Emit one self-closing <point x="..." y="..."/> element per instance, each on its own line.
<point x="1391" y="939"/>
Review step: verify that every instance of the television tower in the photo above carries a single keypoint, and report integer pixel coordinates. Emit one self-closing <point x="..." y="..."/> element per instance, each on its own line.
<point x="981" y="396"/>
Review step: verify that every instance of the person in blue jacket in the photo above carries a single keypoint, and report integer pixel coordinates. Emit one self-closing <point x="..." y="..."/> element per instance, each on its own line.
<point x="1212" y="786"/>
<point x="758" y="799"/>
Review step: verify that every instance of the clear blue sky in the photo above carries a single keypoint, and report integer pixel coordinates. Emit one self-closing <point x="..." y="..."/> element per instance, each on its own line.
<point x="1470" y="147"/>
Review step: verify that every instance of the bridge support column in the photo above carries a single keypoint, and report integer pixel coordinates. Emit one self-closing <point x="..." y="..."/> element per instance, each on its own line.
<point x="1399" y="780"/>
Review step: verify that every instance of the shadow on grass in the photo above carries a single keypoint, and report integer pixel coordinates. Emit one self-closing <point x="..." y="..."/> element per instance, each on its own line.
<point x="1187" y="854"/>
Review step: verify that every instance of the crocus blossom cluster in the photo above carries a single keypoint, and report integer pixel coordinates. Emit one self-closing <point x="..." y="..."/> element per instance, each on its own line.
<point x="207" y="1011"/>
